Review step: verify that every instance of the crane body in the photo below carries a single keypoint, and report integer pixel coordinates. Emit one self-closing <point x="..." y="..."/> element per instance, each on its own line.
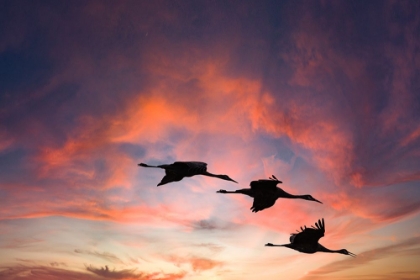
<point x="265" y="193"/>
<point x="306" y="241"/>
<point x="178" y="170"/>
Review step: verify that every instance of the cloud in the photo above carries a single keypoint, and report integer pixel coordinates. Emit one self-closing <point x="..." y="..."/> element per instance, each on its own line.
<point x="159" y="214"/>
<point x="42" y="272"/>
<point x="201" y="264"/>
<point x="45" y="272"/>
<point x="324" y="94"/>
<point x="91" y="159"/>
<point x="397" y="275"/>
<point x="114" y="274"/>
<point x="334" y="98"/>
<point x="16" y="243"/>
<point x="408" y="247"/>
<point x="104" y="255"/>
<point x="198" y="264"/>
<point x="25" y="260"/>
<point x="56" y="264"/>
<point x="211" y="246"/>
<point x="100" y="147"/>
<point x="212" y="224"/>
<point x="131" y="274"/>
<point x="400" y="196"/>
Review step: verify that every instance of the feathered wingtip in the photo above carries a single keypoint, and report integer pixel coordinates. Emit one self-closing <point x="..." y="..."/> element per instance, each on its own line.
<point x="275" y="179"/>
<point x="319" y="225"/>
<point x="253" y="209"/>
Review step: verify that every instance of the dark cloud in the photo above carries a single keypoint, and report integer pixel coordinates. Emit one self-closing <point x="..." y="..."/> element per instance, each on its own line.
<point x="132" y="150"/>
<point x="56" y="264"/>
<point x="113" y="274"/>
<point x="348" y="70"/>
<point x="213" y="224"/>
<point x="403" y="197"/>
<point x="130" y="274"/>
<point x="206" y="225"/>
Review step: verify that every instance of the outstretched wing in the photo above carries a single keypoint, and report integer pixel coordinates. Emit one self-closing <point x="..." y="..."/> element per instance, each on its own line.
<point x="170" y="177"/>
<point x="262" y="202"/>
<point x="265" y="185"/>
<point x="190" y="168"/>
<point x="309" y="235"/>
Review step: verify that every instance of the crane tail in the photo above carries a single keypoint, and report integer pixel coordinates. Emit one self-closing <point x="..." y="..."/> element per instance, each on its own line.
<point x="277" y="245"/>
<point x="146" y="165"/>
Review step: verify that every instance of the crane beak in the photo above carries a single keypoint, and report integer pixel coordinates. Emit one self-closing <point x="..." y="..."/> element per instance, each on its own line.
<point x="318" y="201"/>
<point x="233" y="181"/>
<point x="351" y="254"/>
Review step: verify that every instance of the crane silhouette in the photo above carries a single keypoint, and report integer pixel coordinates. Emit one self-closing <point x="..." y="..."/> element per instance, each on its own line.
<point x="306" y="241"/>
<point x="265" y="193"/>
<point x="178" y="170"/>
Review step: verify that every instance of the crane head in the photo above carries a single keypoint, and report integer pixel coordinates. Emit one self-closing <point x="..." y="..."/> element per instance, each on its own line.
<point x="269" y="244"/>
<point x="227" y="178"/>
<point x="345" y="252"/>
<point x="309" y="197"/>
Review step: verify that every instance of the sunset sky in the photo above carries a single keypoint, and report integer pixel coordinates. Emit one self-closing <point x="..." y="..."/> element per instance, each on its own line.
<point x="325" y="95"/>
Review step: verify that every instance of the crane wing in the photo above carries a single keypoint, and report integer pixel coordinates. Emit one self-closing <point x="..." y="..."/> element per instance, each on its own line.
<point x="170" y="176"/>
<point x="309" y="235"/>
<point x="262" y="202"/>
<point x="264" y="185"/>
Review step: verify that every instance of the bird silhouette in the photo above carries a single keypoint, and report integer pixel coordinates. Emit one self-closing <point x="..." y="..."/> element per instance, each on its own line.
<point x="265" y="193"/>
<point x="178" y="170"/>
<point x="306" y="241"/>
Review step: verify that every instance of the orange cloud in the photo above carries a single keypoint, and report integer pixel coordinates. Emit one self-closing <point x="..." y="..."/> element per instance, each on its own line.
<point x="131" y="274"/>
<point x="407" y="247"/>
<point x="197" y="264"/>
<point x="34" y="272"/>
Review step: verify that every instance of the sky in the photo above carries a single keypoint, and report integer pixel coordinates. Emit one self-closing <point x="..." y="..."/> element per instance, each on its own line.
<point x="325" y="95"/>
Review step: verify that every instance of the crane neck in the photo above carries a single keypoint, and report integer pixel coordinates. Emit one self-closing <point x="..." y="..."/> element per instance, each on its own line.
<point x="220" y="176"/>
<point x="326" y="250"/>
<point x="282" y="193"/>
<point x="206" y="173"/>
<point x="248" y="192"/>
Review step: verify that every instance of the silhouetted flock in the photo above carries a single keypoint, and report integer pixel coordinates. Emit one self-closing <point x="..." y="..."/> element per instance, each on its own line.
<point x="265" y="193"/>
